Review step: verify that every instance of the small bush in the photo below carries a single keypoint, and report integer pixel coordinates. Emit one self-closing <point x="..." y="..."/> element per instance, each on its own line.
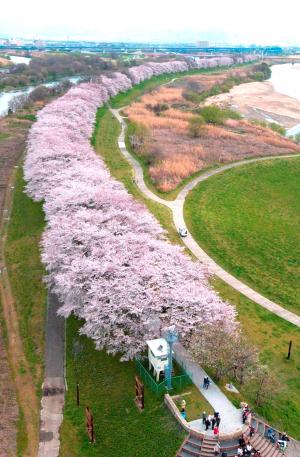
<point x="196" y="126"/>
<point x="212" y="114"/>
<point x="277" y="128"/>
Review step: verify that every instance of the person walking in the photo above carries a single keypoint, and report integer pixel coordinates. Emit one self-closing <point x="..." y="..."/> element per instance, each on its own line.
<point x="216" y="431"/>
<point x="204" y="416"/>
<point x="217" y="449"/>
<point x="204" y="382"/>
<point x="251" y="431"/>
<point x="218" y="420"/>
<point x="207" y="382"/>
<point x="207" y="423"/>
<point x="213" y="423"/>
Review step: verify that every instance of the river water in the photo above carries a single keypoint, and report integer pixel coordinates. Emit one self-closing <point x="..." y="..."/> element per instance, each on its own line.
<point x="20" y="59"/>
<point x="5" y="97"/>
<point x="286" y="80"/>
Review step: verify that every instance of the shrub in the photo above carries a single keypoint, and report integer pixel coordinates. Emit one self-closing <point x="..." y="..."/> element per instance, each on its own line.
<point x="212" y="114"/>
<point x="277" y="128"/>
<point x="196" y="126"/>
<point x="139" y="136"/>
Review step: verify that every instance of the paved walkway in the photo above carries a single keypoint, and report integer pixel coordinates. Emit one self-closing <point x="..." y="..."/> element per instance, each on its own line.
<point x="176" y="207"/>
<point x="52" y="401"/>
<point x="231" y="417"/>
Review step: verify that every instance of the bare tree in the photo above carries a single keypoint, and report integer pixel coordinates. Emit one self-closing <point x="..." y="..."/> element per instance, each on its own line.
<point x="17" y="102"/>
<point x="226" y="351"/>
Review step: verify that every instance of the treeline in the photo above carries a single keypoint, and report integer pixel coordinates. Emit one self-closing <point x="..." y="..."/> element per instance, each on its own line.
<point x="52" y="67"/>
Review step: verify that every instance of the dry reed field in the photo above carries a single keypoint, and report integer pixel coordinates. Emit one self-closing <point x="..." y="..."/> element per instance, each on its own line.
<point x="173" y="154"/>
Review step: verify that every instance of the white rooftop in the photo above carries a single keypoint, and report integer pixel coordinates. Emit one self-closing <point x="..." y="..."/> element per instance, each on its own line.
<point x="158" y="346"/>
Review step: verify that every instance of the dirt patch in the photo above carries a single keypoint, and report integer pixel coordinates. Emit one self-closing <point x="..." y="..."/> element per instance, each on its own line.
<point x="9" y="411"/>
<point x="259" y="100"/>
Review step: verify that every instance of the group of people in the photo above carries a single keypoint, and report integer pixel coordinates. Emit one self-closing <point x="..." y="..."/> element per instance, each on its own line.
<point x="282" y="440"/>
<point x="206" y="382"/>
<point x="212" y="422"/>
<point x="245" y="448"/>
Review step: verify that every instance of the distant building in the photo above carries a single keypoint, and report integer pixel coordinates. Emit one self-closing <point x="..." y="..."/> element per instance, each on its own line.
<point x="203" y="44"/>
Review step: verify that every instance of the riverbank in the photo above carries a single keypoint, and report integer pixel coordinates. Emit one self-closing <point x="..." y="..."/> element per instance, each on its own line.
<point x="258" y="100"/>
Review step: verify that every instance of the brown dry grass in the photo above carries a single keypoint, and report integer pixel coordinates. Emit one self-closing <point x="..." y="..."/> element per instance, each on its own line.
<point x="174" y="154"/>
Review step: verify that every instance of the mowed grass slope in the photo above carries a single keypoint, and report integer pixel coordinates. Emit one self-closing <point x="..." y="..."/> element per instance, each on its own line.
<point x="271" y="335"/>
<point x="248" y="220"/>
<point x="107" y="387"/>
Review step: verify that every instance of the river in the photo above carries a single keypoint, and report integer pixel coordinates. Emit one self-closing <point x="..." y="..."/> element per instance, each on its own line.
<point x="5" y="97"/>
<point x="20" y="59"/>
<point x="286" y="80"/>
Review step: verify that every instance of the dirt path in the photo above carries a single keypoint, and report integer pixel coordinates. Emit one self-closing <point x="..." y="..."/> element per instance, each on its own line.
<point x="26" y="393"/>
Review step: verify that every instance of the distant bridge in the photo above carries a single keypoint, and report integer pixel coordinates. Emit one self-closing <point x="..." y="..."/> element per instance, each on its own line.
<point x="144" y="48"/>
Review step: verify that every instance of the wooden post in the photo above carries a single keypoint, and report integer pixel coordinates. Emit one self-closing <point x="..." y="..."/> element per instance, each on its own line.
<point x="77" y="394"/>
<point x="89" y="424"/>
<point x="290" y="349"/>
<point x="139" y="394"/>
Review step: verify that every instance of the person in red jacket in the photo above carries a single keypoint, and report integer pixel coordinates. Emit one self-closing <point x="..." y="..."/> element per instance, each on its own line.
<point x="216" y="430"/>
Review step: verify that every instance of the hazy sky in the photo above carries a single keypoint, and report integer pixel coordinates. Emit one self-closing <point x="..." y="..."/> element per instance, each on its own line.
<point x="238" y="21"/>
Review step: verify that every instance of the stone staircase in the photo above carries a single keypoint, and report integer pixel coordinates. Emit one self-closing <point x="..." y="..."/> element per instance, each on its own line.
<point x="207" y="448"/>
<point x="191" y="447"/>
<point x="264" y="446"/>
<point x="196" y="447"/>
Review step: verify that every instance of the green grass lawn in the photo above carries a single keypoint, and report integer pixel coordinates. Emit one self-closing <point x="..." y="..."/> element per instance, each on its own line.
<point x="271" y="335"/>
<point x="107" y="387"/>
<point x="248" y="220"/>
<point x="195" y="403"/>
<point x="26" y="272"/>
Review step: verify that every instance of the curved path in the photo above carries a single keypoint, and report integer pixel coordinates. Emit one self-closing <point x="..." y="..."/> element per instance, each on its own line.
<point x="176" y="206"/>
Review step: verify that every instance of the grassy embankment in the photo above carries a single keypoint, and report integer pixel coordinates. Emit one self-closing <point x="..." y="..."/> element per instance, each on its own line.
<point x="107" y="387"/>
<point x="246" y="219"/>
<point x="270" y="333"/>
<point x="25" y="274"/>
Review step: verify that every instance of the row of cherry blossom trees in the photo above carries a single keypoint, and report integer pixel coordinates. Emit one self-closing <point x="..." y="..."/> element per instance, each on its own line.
<point x="146" y="71"/>
<point x="106" y="257"/>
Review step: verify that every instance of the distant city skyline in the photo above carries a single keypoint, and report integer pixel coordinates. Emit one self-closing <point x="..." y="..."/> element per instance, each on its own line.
<point x="260" y="23"/>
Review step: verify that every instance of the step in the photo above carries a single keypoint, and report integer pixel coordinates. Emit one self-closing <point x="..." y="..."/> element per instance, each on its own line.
<point x="196" y="445"/>
<point x="194" y="439"/>
<point x="184" y="453"/>
<point x="205" y="452"/>
<point x="208" y="446"/>
<point x="191" y="450"/>
<point x="256" y="440"/>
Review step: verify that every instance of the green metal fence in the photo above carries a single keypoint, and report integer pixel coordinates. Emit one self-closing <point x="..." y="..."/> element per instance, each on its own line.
<point x="178" y="382"/>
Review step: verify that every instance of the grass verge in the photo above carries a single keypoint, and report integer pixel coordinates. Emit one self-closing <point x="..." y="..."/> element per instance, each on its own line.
<point x="245" y="219"/>
<point x="26" y="272"/>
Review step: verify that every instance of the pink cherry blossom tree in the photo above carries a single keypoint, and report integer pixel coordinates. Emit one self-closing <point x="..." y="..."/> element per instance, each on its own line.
<point x="106" y="256"/>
